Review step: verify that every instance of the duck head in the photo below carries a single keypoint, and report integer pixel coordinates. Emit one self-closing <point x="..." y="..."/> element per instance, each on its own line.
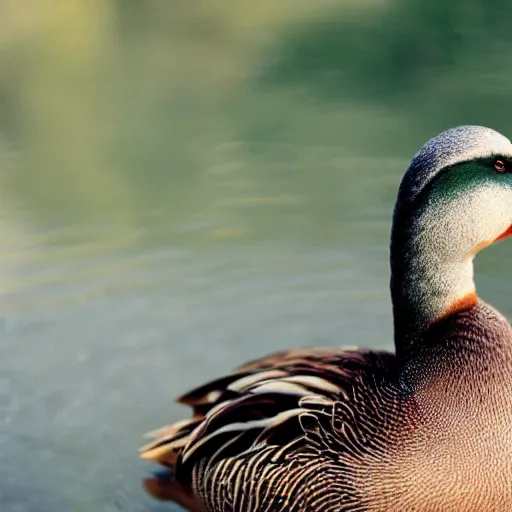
<point x="454" y="200"/>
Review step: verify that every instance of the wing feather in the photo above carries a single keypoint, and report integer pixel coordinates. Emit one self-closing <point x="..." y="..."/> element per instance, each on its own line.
<point x="283" y="401"/>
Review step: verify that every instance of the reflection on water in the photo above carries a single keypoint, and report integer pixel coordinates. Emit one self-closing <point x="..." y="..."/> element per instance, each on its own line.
<point x="188" y="186"/>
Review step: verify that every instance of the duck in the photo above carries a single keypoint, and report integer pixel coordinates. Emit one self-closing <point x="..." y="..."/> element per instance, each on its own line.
<point x="425" y="428"/>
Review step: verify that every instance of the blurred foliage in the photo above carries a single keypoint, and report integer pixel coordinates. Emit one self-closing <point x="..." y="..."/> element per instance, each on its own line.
<point x="230" y="115"/>
<point x="445" y="61"/>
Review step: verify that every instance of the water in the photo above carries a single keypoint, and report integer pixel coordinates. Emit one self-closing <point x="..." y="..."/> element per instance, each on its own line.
<point x="188" y="186"/>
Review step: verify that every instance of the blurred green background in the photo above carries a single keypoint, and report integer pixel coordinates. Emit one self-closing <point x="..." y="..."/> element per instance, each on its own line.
<point x="185" y="185"/>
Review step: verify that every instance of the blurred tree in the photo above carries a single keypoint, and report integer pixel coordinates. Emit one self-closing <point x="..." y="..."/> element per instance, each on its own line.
<point x="119" y="108"/>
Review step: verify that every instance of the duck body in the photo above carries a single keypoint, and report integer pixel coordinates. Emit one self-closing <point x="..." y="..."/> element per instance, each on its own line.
<point x="427" y="429"/>
<point x="368" y="435"/>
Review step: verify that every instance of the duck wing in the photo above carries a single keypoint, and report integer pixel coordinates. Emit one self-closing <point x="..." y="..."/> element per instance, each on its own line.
<point x="276" y="404"/>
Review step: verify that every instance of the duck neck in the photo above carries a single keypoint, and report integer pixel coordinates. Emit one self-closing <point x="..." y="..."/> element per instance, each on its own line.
<point x="431" y="278"/>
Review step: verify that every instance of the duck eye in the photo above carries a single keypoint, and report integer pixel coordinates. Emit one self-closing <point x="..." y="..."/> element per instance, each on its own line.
<point x="499" y="165"/>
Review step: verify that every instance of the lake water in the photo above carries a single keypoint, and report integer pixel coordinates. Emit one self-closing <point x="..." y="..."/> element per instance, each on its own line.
<point x="186" y="186"/>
